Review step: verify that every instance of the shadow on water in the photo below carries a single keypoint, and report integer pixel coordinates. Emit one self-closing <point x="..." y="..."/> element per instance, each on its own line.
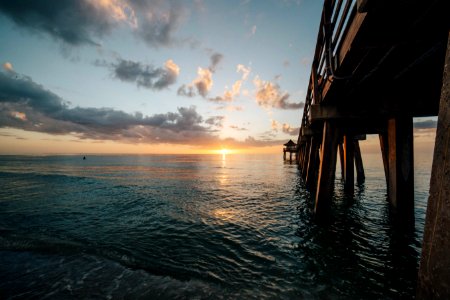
<point x="360" y="250"/>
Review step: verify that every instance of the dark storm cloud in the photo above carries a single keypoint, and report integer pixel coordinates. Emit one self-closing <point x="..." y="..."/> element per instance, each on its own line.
<point x="147" y="76"/>
<point x="78" y="22"/>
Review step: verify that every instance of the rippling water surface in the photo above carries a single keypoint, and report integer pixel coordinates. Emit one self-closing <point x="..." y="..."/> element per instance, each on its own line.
<point x="206" y="226"/>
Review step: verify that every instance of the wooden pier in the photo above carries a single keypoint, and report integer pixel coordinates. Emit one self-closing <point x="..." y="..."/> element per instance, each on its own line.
<point x="291" y="148"/>
<point x="377" y="64"/>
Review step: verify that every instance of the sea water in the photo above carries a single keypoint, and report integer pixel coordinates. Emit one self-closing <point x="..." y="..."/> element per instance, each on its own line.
<point x="196" y="227"/>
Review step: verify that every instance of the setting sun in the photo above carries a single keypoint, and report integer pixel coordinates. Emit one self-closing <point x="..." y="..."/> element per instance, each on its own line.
<point x="224" y="151"/>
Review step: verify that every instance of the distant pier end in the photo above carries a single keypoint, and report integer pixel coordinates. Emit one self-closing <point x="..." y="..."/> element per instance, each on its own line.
<point x="290" y="147"/>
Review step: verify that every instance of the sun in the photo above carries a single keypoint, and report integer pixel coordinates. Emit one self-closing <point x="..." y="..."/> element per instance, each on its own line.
<point x="224" y="151"/>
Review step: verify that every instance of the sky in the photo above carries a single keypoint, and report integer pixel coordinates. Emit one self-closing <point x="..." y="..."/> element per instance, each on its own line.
<point x="153" y="76"/>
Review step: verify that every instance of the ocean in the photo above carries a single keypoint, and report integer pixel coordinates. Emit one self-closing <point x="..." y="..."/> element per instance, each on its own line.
<point x="198" y="227"/>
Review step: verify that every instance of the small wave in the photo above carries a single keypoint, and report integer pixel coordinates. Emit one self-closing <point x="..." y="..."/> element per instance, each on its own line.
<point x="82" y="276"/>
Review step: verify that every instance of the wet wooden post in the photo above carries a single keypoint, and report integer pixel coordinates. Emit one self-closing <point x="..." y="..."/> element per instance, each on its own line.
<point x="327" y="169"/>
<point x="349" y="169"/>
<point x="307" y="156"/>
<point x="341" y="158"/>
<point x="401" y="164"/>
<point x="360" y="176"/>
<point x="384" y="154"/>
<point x="434" y="271"/>
<point x="312" y="165"/>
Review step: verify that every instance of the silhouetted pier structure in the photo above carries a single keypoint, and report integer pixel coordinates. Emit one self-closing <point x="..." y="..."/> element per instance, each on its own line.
<point x="290" y="147"/>
<point x="377" y="64"/>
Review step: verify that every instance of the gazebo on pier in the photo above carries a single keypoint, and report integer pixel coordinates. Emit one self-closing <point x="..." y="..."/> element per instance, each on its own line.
<point x="290" y="147"/>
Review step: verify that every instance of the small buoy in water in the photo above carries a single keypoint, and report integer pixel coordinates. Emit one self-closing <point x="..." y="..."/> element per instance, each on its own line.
<point x="84" y="157"/>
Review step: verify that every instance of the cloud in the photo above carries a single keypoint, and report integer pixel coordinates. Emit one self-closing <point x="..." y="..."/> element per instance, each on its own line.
<point x="245" y="71"/>
<point x="203" y="82"/>
<point x="274" y="125"/>
<point x="235" y="90"/>
<point x="268" y="95"/>
<point x="235" y="127"/>
<point x="230" y="108"/>
<point x="186" y="91"/>
<point x="426" y="124"/>
<point x="84" y="22"/>
<point x="7" y="66"/>
<point x="215" y="121"/>
<point x="286" y="128"/>
<point x="146" y="76"/>
<point x="27" y="105"/>
<point x="216" y="58"/>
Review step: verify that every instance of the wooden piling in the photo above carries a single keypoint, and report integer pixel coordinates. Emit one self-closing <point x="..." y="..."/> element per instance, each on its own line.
<point x="360" y="176"/>
<point x="311" y="172"/>
<point x="401" y="164"/>
<point x="384" y="154"/>
<point x="342" y="160"/>
<point x="349" y="169"/>
<point x="307" y="156"/>
<point x="434" y="271"/>
<point x="327" y="169"/>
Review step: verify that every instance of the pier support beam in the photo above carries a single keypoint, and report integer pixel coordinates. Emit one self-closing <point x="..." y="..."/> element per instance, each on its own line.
<point x="306" y="161"/>
<point x="349" y="169"/>
<point x="401" y="165"/>
<point x="384" y="154"/>
<point x="311" y="174"/>
<point x="434" y="271"/>
<point x="327" y="167"/>
<point x="342" y="160"/>
<point x="360" y="176"/>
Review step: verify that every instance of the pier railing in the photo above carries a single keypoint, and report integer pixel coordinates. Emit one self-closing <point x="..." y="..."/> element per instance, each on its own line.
<point x="337" y="15"/>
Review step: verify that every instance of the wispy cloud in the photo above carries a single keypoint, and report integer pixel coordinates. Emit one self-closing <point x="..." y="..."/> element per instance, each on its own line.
<point x="286" y="128"/>
<point x="235" y="127"/>
<point x="142" y="75"/>
<point x="203" y="83"/>
<point x="215" y="121"/>
<point x="269" y="95"/>
<point x="7" y="66"/>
